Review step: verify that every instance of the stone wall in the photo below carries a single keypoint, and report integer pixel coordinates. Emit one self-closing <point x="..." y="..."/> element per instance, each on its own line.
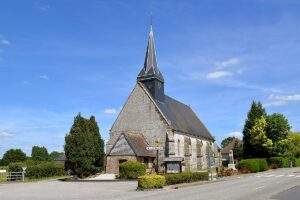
<point x="193" y="160"/>
<point x="140" y="115"/>
<point x="112" y="163"/>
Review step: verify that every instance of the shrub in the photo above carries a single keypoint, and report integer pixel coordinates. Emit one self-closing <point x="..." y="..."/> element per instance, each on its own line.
<point x="253" y="165"/>
<point x="278" y="162"/>
<point x="185" y="177"/>
<point x="39" y="170"/>
<point x="132" y="169"/>
<point x="45" y="169"/>
<point x="297" y="162"/>
<point x="151" y="181"/>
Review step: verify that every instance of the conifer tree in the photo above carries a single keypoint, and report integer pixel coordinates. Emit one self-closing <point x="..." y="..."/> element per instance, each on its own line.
<point x="84" y="147"/>
<point x="256" y="112"/>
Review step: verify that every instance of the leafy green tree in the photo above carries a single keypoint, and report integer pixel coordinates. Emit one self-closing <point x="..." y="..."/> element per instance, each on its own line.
<point x="238" y="150"/>
<point x="278" y="127"/>
<point x="84" y="148"/>
<point x="226" y="141"/>
<point x="256" y="111"/>
<point x="13" y="155"/>
<point x="55" y="155"/>
<point x="288" y="147"/>
<point x="259" y="140"/>
<point x="39" y="153"/>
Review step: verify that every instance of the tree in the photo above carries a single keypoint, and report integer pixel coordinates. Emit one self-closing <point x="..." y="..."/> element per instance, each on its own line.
<point x="256" y="111"/>
<point x="84" y="148"/>
<point x="226" y="141"/>
<point x="277" y="127"/>
<point x="13" y="155"/>
<point x="39" y="153"/>
<point x="55" y="155"/>
<point x="259" y="140"/>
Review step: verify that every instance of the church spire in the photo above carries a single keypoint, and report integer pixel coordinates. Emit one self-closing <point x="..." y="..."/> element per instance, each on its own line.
<point x="150" y="68"/>
<point x="150" y="75"/>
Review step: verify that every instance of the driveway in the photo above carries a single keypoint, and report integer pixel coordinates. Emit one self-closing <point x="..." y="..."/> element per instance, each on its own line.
<point x="277" y="184"/>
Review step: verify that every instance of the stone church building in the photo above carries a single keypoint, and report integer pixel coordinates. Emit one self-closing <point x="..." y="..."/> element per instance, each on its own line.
<point x="151" y="118"/>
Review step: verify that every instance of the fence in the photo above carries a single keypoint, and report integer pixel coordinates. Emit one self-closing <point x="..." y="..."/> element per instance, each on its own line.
<point x="12" y="176"/>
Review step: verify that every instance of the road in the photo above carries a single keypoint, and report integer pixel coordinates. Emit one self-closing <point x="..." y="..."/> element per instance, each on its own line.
<point x="278" y="184"/>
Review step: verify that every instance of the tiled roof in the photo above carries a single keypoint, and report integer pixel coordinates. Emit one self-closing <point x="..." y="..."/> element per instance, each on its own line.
<point x="138" y="144"/>
<point x="183" y="118"/>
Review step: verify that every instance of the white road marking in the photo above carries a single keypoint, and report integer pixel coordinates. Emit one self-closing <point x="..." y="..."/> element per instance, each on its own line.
<point x="271" y="175"/>
<point x="297" y="176"/>
<point x="279" y="176"/>
<point x="260" y="187"/>
<point x="291" y="175"/>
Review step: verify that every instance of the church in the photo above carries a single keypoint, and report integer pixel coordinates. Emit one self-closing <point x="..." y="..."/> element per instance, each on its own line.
<point x="149" y="119"/>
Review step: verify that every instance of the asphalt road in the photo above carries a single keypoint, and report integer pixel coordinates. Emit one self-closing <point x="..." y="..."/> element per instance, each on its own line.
<point x="282" y="184"/>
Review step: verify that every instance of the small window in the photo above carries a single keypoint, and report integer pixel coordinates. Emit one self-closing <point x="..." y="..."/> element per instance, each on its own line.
<point x="178" y="147"/>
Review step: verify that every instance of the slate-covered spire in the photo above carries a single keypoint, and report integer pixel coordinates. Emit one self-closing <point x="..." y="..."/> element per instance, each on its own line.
<point x="150" y="75"/>
<point x="150" y="68"/>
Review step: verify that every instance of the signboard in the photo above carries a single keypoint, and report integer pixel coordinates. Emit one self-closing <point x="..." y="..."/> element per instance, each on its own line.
<point x="173" y="167"/>
<point x="2" y="171"/>
<point x="154" y="148"/>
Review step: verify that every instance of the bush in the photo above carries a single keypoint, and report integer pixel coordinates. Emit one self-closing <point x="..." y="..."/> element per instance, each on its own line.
<point x="39" y="170"/>
<point x="151" y="181"/>
<point x="132" y="169"/>
<point x="185" y="177"/>
<point x="45" y="169"/>
<point x="297" y="162"/>
<point x="278" y="162"/>
<point x="253" y="165"/>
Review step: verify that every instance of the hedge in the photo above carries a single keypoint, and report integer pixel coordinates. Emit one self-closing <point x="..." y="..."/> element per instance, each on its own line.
<point x="152" y="181"/>
<point x="132" y="170"/>
<point x="43" y="169"/>
<point x="253" y="165"/>
<point x="186" y="177"/>
<point x="297" y="162"/>
<point x="278" y="162"/>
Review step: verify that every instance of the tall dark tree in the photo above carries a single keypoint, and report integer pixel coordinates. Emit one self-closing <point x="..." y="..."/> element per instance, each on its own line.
<point x="84" y="148"/>
<point x="13" y="155"/>
<point x="39" y="153"/>
<point x="278" y="127"/>
<point x="256" y="112"/>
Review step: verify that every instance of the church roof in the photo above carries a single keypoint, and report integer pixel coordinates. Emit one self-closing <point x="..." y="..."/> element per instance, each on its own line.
<point x="183" y="118"/>
<point x="150" y="68"/>
<point x="137" y="143"/>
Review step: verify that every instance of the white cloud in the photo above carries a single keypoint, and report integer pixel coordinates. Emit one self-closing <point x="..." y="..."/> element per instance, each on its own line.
<point x="218" y="74"/>
<point x="5" y="42"/>
<point x="236" y="134"/>
<point x="281" y="100"/>
<point x="110" y="111"/>
<point x="45" y="77"/>
<point x="227" y="63"/>
<point x="5" y="134"/>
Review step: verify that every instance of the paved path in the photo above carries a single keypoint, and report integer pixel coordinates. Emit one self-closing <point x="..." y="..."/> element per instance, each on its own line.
<point x="278" y="184"/>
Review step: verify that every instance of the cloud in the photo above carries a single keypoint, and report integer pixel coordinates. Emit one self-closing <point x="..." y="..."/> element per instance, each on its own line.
<point x="110" y="111"/>
<point x="227" y="63"/>
<point x="281" y="100"/>
<point x="218" y="74"/>
<point x="5" y="42"/>
<point x="45" y="77"/>
<point x="236" y="134"/>
<point x="5" y="134"/>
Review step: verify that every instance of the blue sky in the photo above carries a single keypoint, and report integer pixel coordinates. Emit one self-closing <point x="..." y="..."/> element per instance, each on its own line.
<point x="61" y="57"/>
